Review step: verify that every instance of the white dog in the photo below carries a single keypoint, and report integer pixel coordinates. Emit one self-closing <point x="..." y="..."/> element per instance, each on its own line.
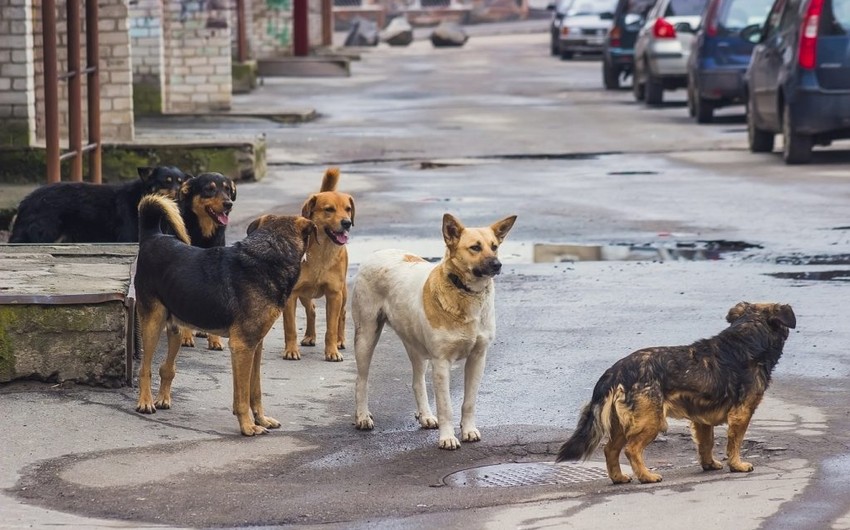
<point x="442" y="314"/>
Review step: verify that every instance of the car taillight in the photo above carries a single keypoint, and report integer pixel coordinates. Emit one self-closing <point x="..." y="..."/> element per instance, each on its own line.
<point x="809" y="35"/>
<point x="614" y="36"/>
<point x="710" y="20"/>
<point x="663" y="29"/>
<point x="565" y="31"/>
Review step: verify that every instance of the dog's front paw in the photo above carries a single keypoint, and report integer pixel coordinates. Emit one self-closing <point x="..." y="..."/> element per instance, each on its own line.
<point x="364" y="422"/>
<point x="740" y="466"/>
<point x="162" y="402"/>
<point x="450" y="443"/>
<point x="428" y="421"/>
<point x="292" y="354"/>
<point x="308" y="341"/>
<point x="146" y="406"/>
<point x="253" y="430"/>
<point x="620" y="478"/>
<point x="472" y="435"/>
<point x="649" y="478"/>
<point x="188" y="341"/>
<point x="340" y="345"/>
<point x="214" y="343"/>
<point x="714" y="465"/>
<point x="333" y="356"/>
<point x="267" y="422"/>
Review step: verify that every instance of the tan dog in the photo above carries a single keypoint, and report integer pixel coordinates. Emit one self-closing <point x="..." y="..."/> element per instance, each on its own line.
<point x="441" y="313"/>
<point x="324" y="271"/>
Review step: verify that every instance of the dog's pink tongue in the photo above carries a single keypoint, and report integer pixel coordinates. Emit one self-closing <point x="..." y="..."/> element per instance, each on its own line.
<point x="341" y="237"/>
<point x="221" y="218"/>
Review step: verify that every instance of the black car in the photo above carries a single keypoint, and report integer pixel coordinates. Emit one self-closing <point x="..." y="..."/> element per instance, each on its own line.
<point x="618" y="52"/>
<point x="798" y="80"/>
<point x="559" y="11"/>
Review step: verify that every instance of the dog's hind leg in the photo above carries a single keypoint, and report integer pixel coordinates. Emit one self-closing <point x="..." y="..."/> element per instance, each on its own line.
<point x="367" y="331"/>
<point x="257" y="395"/>
<point x="340" y="334"/>
<point x="310" y="332"/>
<point x="441" y="373"/>
<point x="168" y="368"/>
<point x="616" y="442"/>
<point x="739" y="419"/>
<point x="423" y="409"/>
<point x="704" y="437"/>
<point x="290" y="333"/>
<point x="647" y="420"/>
<point x="152" y="319"/>
<point x="473" y="370"/>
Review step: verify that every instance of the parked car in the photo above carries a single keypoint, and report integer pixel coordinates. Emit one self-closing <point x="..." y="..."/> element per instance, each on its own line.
<point x="720" y="55"/>
<point x="584" y="27"/>
<point x="662" y="48"/>
<point x="798" y="80"/>
<point x="559" y="10"/>
<point x="618" y="51"/>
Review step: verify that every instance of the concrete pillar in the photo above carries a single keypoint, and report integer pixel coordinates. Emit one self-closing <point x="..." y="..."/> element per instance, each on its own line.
<point x="17" y="90"/>
<point x="197" y="56"/>
<point x="147" y="50"/>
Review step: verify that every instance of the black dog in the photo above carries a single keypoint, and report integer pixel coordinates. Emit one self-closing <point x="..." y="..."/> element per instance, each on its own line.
<point x="82" y="212"/>
<point x="205" y="202"/>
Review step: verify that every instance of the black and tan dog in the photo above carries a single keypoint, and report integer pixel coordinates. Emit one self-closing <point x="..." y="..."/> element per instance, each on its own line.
<point x="251" y="281"/>
<point x="82" y="212"/>
<point x="205" y="203"/>
<point x="710" y="382"/>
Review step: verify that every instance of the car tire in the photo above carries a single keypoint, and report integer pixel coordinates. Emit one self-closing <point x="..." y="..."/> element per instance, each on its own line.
<point x="638" y="89"/>
<point x="703" y="109"/>
<point x="796" y="148"/>
<point x="610" y="76"/>
<point x="691" y="106"/>
<point x="760" y="141"/>
<point x="654" y="91"/>
<point x="566" y="55"/>
<point x="553" y="46"/>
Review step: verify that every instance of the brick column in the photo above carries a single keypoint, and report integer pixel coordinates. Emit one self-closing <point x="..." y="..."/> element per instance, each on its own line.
<point x="271" y="28"/>
<point x="197" y="60"/>
<point x="17" y="90"/>
<point x="147" y="45"/>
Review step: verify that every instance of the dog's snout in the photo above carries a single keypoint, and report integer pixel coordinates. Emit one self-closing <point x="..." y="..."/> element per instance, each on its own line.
<point x="227" y="205"/>
<point x="346" y="224"/>
<point x="496" y="266"/>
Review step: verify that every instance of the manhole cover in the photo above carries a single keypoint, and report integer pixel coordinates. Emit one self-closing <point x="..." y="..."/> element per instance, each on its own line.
<point x="530" y="474"/>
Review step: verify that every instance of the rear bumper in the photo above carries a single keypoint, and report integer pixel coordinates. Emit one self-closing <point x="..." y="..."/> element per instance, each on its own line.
<point x="580" y="45"/>
<point x="722" y="85"/>
<point x="622" y="58"/>
<point x="817" y="112"/>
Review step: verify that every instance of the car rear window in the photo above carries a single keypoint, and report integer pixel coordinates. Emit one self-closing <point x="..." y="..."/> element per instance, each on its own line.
<point x="638" y="7"/>
<point x="685" y="8"/>
<point x="735" y="15"/>
<point x="837" y="17"/>
<point x="591" y="7"/>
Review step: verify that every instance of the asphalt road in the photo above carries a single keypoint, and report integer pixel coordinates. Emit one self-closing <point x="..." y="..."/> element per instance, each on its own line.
<point x="492" y="129"/>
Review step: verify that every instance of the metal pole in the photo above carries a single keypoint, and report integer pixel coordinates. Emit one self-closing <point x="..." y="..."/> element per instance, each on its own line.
<point x="75" y="103"/>
<point x="93" y="81"/>
<point x="300" y="28"/>
<point x="241" y="32"/>
<point x="327" y="22"/>
<point x="51" y="89"/>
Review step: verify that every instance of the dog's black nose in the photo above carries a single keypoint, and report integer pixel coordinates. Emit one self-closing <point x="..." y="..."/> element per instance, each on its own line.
<point x="227" y="205"/>
<point x="346" y="224"/>
<point x="496" y="266"/>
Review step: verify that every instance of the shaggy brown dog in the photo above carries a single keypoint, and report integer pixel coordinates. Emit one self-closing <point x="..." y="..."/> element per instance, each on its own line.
<point x="710" y="382"/>
<point x="236" y="291"/>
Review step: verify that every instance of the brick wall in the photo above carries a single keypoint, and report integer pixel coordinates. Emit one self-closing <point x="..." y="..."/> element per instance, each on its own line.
<point x="147" y="56"/>
<point x="116" y="89"/>
<point x="270" y="29"/>
<point x="17" y="92"/>
<point x="197" y="60"/>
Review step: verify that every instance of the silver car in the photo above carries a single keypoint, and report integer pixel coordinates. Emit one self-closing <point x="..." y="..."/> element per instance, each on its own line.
<point x="584" y="27"/>
<point x="663" y="46"/>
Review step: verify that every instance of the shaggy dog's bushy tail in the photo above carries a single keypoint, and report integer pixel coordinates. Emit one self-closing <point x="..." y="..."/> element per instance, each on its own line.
<point x="156" y="212"/>
<point x="330" y="180"/>
<point x="593" y="424"/>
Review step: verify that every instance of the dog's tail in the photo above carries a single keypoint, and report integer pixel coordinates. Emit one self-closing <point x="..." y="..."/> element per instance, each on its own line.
<point x="593" y="424"/>
<point x="156" y="212"/>
<point x="330" y="180"/>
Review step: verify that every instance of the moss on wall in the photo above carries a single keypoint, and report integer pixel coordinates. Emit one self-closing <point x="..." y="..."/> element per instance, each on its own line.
<point x="244" y="76"/>
<point x="147" y="99"/>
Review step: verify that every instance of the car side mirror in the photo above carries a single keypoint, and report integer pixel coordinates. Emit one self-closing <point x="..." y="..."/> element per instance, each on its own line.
<point x="684" y="27"/>
<point x="752" y="33"/>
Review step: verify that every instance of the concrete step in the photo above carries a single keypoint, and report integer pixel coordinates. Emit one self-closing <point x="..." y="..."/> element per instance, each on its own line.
<point x="313" y="66"/>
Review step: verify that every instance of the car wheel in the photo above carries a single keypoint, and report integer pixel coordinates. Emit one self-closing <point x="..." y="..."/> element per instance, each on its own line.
<point x="796" y="148"/>
<point x="566" y="55"/>
<point x="703" y="109"/>
<point x="691" y="110"/>
<point x="760" y="141"/>
<point x="654" y="90"/>
<point x="553" y="45"/>
<point x="637" y="87"/>
<point x="610" y="76"/>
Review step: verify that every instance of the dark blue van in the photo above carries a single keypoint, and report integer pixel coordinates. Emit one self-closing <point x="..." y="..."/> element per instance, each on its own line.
<point x="720" y="55"/>
<point x="798" y="81"/>
<point x="618" y="50"/>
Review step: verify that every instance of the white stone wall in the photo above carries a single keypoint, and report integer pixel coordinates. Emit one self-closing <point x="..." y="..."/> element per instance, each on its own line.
<point x="197" y="58"/>
<point x="270" y="29"/>
<point x="17" y="91"/>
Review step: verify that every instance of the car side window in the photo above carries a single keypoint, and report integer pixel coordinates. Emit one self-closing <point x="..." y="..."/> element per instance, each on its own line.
<point x="771" y="26"/>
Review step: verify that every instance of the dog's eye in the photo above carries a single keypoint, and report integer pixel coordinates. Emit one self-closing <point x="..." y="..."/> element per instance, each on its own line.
<point x="168" y="180"/>
<point x="475" y="248"/>
<point x="494" y="247"/>
<point x="329" y="209"/>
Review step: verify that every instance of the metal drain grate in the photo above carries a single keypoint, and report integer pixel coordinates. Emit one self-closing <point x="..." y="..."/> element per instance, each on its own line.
<point x="530" y="474"/>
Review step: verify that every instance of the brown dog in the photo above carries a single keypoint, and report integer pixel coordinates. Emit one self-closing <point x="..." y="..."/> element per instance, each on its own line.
<point x="710" y="382"/>
<point x="251" y="281"/>
<point x="324" y="270"/>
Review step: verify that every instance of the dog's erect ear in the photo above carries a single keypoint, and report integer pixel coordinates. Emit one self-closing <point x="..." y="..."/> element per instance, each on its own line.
<point x="257" y="223"/>
<point x="452" y="228"/>
<point x="737" y="312"/>
<point x="351" y="202"/>
<point x="501" y="228"/>
<point x="145" y="173"/>
<point x="784" y="315"/>
<point x="232" y="191"/>
<point x="309" y="206"/>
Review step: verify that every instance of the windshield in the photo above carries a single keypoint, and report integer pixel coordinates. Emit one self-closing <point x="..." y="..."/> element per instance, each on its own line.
<point x="738" y="14"/>
<point x="685" y="8"/>
<point x="591" y="7"/>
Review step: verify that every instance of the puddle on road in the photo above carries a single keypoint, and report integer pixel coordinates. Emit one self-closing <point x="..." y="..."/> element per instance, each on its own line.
<point x="823" y="276"/>
<point x="668" y="251"/>
<point x="820" y="259"/>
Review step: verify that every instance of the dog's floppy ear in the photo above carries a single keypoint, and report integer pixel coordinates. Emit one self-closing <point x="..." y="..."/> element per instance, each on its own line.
<point x="501" y="228"/>
<point x="737" y="312"/>
<point x="351" y="202"/>
<point x="232" y="191"/>
<point x="452" y="228"/>
<point x="308" y="229"/>
<point x="186" y="187"/>
<point x="309" y="206"/>
<point x="783" y="314"/>
<point x="145" y="173"/>
<point x="257" y="223"/>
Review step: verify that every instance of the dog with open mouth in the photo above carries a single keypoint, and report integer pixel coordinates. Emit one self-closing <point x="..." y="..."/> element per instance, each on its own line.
<point x="205" y="203"/>
<point x="324" y="271"/>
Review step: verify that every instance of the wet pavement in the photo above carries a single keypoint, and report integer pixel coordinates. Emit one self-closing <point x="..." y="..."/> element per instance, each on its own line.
<point x="492" y="129"/>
